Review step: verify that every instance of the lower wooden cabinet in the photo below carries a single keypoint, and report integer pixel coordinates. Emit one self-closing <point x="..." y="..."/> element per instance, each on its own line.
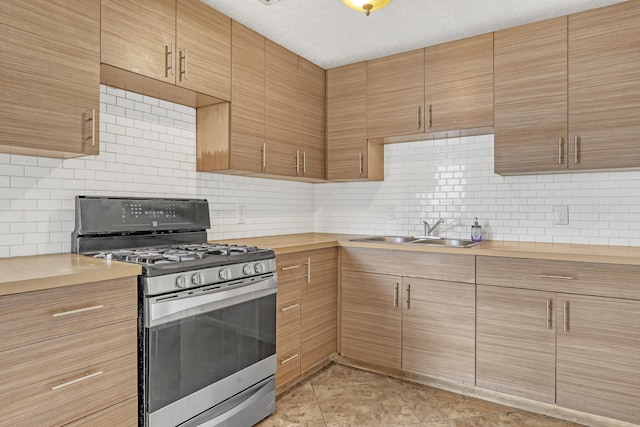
<point x="123" y="414"/>
<point x="83" y="363"/>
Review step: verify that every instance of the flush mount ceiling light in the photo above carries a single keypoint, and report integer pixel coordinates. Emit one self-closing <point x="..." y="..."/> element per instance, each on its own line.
<point x="366" y="5"/>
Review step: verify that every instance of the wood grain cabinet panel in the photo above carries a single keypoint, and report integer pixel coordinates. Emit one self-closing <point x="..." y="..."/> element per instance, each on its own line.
<point x="395" y="95"/>
<point x="604" y="87"/>
<point x="312" y="106"/>
<point x="530" y="111"/>
<point x="350" y="157"/>
<point x="459" y="84"/>
<point x="598" y="362"/>
<point x="123" y="414"/>
<point x="50" y="78"/>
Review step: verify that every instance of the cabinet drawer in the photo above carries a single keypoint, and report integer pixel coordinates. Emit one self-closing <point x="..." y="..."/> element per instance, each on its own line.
<point x="123" y="414"/>
<point x="288" y="354"/>
<point x="54" y="312"/>
<point x="61" y="380"/>
<point x="428" y="265"/>
<point x="290" y="266"/>
<point x="288" y="306"/>
<point x="608" y="280"/>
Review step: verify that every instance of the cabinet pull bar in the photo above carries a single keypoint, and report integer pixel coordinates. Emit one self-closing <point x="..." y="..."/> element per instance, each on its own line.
<point x="395" y="295"/>
<point x="168" y="63"/>
<point x="79" y="310"/>
<point x="560" y="150"/>
<point x="304" y="162"/>
<point x="293" y="267"/>
<point x="548" y="314"/>
<point x="360" y="162"/>
<point x="93" y="127"/>
<point x="408" y="296"/>
<point x="429" y="118"/>
<point x="418" y="117"/>
<point x="308" y="269"/>
<point x="575" y="149"/>
<point x="550" y="276"/>
<point x="291" y="307"/>
<point x="297" y="162"/>
<point x="565" y="310"/>
<point x="289" y="359"/>
<point x="186" y="64"/>
<point x="77" y="380"/>
<point x="264" y="157"/>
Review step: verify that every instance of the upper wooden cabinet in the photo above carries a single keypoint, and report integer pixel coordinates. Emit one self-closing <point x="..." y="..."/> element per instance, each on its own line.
<point x="604" y="87"/>
<point x="312" y="106"/>
<point x="50" y="74"/>
<point x="459" y="84"/>
<point x="395" y="95"/>
<point x="350" y="157"/>
<point x="531" y="98"/>
<point x="181" y="42"/>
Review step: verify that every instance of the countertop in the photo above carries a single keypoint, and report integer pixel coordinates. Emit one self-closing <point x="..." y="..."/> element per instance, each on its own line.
<point x="30" y="273"/>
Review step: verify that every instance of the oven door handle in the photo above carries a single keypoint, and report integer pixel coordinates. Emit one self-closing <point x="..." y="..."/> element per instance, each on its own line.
<point x="163" y="309"/>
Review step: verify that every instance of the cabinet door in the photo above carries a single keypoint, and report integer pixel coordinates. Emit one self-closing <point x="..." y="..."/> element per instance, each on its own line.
<point x="139" y="36"/>
<point x="247" y="99"/>
<point x="459" y="84"/>
<point x="438" y="329"/>
<point x="395" y="95"/>
<point x="530" y="84"/>
<point x="319" y="307"/>
<point x="312" y="147"/>
<point x="203" y="58"/>
<point x="281" y="110"/>
<point x="50" y="74"/>
<point x="349" y="156"/>
<point x="516" y="342"/>
<point x="371" y="318"/>
<point x="604" y="87"/>
<point x="598" y="358"/>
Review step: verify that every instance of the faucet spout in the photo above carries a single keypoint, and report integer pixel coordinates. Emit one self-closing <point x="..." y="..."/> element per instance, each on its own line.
<point x="428" y="230"/>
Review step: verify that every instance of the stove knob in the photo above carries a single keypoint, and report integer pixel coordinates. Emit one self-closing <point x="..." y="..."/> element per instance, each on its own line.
<point x="259" y="268"/>
<point x="247" y="269"/>
<point x="197" y="279"/>
<point x="181" y="282"/>
<point x="225" y="274"/>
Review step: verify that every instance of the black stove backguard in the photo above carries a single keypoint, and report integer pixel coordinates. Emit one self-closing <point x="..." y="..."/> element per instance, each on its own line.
<point x="108" y="223"/>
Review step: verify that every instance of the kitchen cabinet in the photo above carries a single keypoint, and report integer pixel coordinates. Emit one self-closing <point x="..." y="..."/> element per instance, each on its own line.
<point x="311" y="156"/>
<point x="281" y="111"/>
<point x="560" y="332"/>
<point x="70" y="354"/>
<point x="395" y="95"/>
<point x="531" y="98"/>
<point x="350" y="156"/>
<point x="181" y="42"/>
<point x="50" y="73"/>
<point x="458" y="84"/>
<point x="604" y="88"/>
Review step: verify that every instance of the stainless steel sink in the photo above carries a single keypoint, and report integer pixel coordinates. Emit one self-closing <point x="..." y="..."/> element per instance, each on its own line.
<point x="448" y="243"/>
<point x="385" y="239"/>
<point x="427" y="241"/>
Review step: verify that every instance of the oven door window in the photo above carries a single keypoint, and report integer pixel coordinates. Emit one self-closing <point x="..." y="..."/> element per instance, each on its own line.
<point x="189" y="354"/>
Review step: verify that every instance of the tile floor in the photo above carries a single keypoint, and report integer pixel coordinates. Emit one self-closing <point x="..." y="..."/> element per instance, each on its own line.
<point x="340" y="396"/>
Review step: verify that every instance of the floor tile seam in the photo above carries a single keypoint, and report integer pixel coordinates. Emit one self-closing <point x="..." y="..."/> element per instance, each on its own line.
<point x="315" y="397"/>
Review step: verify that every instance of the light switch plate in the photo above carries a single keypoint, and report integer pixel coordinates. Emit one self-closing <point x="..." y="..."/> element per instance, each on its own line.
<point x="390" y="212"/>
<point x="561" y="215"/>
<point x="240" y="215"/>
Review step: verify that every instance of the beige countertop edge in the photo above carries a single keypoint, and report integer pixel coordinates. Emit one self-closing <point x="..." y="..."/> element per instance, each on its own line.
<point x="33" y="273"/>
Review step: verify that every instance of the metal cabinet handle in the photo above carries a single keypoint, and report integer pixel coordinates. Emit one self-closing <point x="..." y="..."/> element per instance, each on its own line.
<point x="293" y="267"/>
<point x="418" y="108"/>
<point x="79" y="310"/>
<point x="184" y="70"/>
<point x="291" y="307"/>
<point x="289" y="359"/>
<point x="304" y="162"/>
<point x="297" y="162"/>
<point x="576" y="142"/>
<point x="264" y="157"/>
<point x="168" y="63"/>
<point x="93" y="126"/>
<point x="308" y="269"/>
<point x="396" y="295"/>
<point x="560" y="150"/>
<point x="429" y="117"/>
<point x="550" y="276"/>
<point x="565" y="309"/>
<point x="408" y="296"/>
<point x="84" y="377"/>
<point x="548" y="314"/>
<point x="360" y="162"/>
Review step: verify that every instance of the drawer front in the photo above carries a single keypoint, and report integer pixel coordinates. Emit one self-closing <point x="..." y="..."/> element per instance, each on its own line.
<point x="40" y="315"/>
<point x="288" y="306"/>
<point x="290" y="266"/>
<point x="123" y="414"/>
<point x="288" y="354"/>
<point x="61" y="380"/>
<point x="428" y="265"/>
<point x="608" y="280"/>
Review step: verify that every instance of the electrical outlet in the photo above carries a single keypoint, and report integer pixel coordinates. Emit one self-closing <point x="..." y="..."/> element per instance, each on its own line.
<point x="390" y="212"/>
<point x="560" y="215"/>
<point x="240" y="217"/>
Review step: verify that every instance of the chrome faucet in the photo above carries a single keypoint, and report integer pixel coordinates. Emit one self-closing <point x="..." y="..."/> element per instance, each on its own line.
<point x="428" y="230"/>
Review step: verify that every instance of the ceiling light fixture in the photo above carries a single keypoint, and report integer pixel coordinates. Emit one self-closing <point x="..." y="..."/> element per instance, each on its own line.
<point x="366" y="5"/>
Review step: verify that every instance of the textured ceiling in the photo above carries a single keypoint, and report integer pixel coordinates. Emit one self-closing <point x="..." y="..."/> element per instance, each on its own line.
<point x="330" y="34"/>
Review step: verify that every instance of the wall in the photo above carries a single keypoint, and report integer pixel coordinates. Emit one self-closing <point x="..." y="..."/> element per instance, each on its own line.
<point x="454" y="179"/>
<point x="147" y="148"/>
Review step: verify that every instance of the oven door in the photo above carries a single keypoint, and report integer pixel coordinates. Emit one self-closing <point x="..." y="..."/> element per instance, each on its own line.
<point x="207" y="345"/>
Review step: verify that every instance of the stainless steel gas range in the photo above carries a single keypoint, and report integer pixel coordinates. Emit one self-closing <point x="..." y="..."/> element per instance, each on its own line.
<point x="207" y="312"/>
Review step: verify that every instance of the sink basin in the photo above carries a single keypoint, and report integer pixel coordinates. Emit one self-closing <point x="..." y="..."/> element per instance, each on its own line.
<point x="447" y="243"/>
<point x="385" y="239"/>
